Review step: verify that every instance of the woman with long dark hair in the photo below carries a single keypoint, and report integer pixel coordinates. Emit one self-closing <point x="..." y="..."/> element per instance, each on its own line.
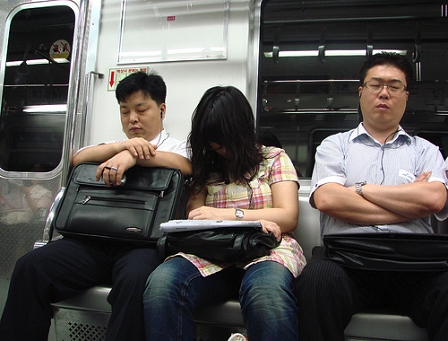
<point x="234" y="178"/>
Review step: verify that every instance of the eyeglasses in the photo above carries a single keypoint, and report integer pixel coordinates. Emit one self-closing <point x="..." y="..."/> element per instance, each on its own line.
<point x="394" y="87"/>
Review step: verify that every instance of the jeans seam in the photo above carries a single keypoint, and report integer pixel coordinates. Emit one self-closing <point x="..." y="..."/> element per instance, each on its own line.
<point x="183" y="295"/>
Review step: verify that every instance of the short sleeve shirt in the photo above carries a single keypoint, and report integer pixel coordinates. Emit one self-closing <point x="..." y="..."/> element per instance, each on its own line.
<point x="166" y="143"/>
<point x="276" y="167"/>
<point x="354" y="156"/>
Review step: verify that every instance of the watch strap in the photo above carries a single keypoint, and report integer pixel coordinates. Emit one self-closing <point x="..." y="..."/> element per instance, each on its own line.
<point x="358" y="187"/>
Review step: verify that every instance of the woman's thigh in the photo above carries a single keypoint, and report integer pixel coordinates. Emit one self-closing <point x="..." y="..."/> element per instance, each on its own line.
<point x="179" y="276"/>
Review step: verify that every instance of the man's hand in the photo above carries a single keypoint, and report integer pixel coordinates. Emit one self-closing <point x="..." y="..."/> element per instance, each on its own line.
<point x="423" y="177"/>
<point x="139" y="148"/>
<point x="112" y="170"/>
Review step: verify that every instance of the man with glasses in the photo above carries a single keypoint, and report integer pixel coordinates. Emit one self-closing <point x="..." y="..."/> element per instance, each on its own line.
<point x="375" y="178"/>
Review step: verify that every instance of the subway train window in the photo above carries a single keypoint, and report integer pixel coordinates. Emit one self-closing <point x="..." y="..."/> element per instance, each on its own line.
<point x="36" y="70"/>
<point x="309" y="58"/>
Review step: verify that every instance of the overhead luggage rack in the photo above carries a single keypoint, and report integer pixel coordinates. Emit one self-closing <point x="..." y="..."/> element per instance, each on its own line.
<point x="310" y="95"/>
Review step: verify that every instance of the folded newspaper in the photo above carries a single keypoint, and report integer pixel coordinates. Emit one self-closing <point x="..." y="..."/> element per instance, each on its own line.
<point x="192" y="225"/>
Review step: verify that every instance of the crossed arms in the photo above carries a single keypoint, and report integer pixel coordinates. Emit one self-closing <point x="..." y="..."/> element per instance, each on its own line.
<point x="382" y="204"/>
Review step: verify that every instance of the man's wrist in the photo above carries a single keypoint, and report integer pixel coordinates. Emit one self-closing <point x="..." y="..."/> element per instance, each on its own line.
<point x="358" y="187"/>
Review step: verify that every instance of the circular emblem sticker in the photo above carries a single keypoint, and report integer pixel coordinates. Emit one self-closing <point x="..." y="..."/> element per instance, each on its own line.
<point x="60" y="49"/>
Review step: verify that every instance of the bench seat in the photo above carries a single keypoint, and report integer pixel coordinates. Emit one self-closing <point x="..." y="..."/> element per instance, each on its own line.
<point x="363" y="326"/>
<point x="91" y="306"/>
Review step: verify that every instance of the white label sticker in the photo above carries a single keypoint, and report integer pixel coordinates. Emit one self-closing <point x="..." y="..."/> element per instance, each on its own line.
<point x="408" y="176"/>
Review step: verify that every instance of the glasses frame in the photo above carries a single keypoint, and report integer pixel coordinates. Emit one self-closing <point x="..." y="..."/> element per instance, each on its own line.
<point x="391" y="92"/>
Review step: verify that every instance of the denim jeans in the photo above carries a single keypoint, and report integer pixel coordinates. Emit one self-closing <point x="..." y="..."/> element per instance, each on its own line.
<point x="176" y="288"/>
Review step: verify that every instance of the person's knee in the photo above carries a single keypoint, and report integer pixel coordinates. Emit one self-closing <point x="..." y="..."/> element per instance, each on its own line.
<point x="160" y="278"/>
<point x="274" y="298"/>
<point x="325" y="274"/>
<point x="31" y="261"/>
<point x="437" y="293"/>
<point x="166" y="278"/>
<point x="268" y="286"/>
<point x="134" y="271"/>
<point x="265" y="288"/>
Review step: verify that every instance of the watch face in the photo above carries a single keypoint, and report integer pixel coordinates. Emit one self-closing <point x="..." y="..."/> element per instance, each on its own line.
<point x="239" y="213"/>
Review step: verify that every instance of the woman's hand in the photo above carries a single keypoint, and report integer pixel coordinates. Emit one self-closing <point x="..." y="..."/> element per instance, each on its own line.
<point x="208" y="213"/>
<point x="270" y="226"/>
<point x="212" y="213"/>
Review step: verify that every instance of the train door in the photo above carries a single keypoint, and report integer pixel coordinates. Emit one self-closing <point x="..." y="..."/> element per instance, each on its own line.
<point x="45" y="51"/>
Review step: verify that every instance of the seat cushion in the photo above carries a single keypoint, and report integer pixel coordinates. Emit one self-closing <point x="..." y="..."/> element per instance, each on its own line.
<point x="366" y="325"/>
<point x="384" y="326"/>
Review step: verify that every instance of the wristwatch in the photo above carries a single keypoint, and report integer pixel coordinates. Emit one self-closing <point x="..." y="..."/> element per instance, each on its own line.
<point x="358" y="187"/>
<point x="239" y="213"/>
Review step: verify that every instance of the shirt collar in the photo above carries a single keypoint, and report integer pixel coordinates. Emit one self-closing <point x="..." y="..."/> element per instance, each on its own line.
<point x="360" y="131"/>
<point x="160" y="137"/>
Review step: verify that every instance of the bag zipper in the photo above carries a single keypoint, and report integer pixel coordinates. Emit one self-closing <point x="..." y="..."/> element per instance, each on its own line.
<point x="88" y="198"/>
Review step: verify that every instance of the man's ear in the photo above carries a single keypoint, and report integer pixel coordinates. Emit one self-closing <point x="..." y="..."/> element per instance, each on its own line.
<point x="162" y="110"/>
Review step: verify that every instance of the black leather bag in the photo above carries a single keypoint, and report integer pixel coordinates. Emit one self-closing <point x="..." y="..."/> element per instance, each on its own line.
<point x="226" y="244"/>
<point x="388" y="251"/>
<point x="131" y="212"/>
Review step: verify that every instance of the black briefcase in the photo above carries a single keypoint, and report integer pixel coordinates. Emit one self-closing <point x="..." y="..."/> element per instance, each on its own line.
<point x="131" y="212"/>
<point x="388" y="251"/>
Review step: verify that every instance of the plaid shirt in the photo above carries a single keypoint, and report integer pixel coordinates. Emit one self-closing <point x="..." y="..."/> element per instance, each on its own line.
<point x="276" y="167"/>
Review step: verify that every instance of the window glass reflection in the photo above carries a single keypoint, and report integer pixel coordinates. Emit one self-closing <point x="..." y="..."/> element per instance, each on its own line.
<point x="309" y="59"/>
<point x="36" y="79"/>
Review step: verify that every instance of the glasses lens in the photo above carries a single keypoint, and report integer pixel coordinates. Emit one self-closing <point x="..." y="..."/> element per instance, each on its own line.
<point x="374" y="85"/>
<point x="393" y="87"/>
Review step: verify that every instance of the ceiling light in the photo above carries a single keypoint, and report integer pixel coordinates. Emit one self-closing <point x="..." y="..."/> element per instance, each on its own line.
<point x="329" y="53"/>
<point x="37" y="62"/>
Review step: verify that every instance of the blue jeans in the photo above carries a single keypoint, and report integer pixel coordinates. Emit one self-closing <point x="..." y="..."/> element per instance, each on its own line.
<point x="176" y="288"/>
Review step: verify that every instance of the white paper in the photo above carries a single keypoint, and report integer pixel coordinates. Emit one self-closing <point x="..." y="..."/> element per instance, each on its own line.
<point x="192" y="225"/>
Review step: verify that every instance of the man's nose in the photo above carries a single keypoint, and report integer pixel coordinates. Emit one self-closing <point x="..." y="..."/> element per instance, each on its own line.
<point x="133" y="117"/>
<point x="384" y="92"/>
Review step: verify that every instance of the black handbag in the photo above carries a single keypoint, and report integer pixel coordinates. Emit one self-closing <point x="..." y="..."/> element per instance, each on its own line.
<point x="131" y="212"/>
<point x="226" y="244"/>
<point x="388" y="251"/>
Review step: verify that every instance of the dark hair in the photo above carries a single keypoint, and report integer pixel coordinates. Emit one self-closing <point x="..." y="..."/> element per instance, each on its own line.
<point x="388" y="58"/>
<point x="268" y="138"/>
<point x="151" y="85"/>
<point x="224" y="116"/>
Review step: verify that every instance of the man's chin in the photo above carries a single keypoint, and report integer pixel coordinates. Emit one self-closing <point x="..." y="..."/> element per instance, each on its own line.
<point x="135" y="134"/>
